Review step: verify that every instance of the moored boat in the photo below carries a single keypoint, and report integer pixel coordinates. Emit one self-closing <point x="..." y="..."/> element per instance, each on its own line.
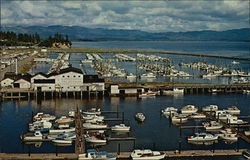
<point x="247" y="133"/>
<point x="198" y="116"/>
<point x="189" y="109"/>
<point x="147" y="154"/>
<point x="95" y="125"/>
<point x="62" y="141"/>
<point x="93" y="154"/>
<point x="94" y="111"/>
<point x="179" y="118"/>
<point x="41" y="116"/>
<point x="64" y="119"/>
<point x="66" y="136"/>
<point x="57" y="131"/>
<point x="233" y="110"/>
<point x="140" y="117"/>
<point x="212" y="125"/>
<point x="147" y="94"/>
<point x="32" y="136"/>
<point x="169" y="111"/>
<point x="120" y="128"/>
<point x="202" y="137"/>
<point x="210" y="108"/>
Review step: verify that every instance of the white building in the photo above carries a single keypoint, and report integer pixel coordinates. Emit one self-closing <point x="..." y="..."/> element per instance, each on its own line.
<point x="7" y="82"/>
<point x="22" y="83"/>
<point x="93" y="83"/>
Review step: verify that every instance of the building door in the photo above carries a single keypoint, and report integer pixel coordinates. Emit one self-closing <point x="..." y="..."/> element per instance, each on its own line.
<point x="39" y="89"/>
<point x="16" y="85"/>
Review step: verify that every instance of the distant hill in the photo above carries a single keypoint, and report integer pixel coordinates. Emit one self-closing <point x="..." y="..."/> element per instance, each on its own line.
<point x="100" y="34"/>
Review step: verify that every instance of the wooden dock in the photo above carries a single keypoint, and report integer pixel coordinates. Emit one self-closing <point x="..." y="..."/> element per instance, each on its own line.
<point x="126" y="155"/>
<point x="80" y="141"/>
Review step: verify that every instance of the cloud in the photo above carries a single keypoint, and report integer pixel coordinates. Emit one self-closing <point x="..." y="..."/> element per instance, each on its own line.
<point x="153" y="16"/>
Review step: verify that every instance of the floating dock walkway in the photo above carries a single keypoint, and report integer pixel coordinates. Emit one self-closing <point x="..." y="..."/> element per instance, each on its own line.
<point x="125" y="155"/>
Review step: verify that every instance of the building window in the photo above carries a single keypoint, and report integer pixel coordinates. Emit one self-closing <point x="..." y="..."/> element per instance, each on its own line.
<point x="74" y="76"/>
<point x="74" y="87"/>
<point x="49" y="87"/>
<point x="4" y="83"/>
<point x="62" y="76"/>
<point x="62" y="87"/>
<point x="68" y="76"/>
<point x="79" y="76"/>
<point x="68" y="87"/>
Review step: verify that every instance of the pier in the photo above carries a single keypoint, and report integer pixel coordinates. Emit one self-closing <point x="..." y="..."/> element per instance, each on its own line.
<point x="80" y="141"/>
<point x="125" y="155"/>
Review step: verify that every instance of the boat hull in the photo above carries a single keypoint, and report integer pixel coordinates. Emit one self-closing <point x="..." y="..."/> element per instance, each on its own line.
<point x="149" y="157"/>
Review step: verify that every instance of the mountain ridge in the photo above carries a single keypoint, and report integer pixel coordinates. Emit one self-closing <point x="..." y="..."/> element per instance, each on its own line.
<point x="78" y="33"/>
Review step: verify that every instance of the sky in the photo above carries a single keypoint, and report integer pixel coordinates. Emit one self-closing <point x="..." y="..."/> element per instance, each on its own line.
<point x="151" y="16"/>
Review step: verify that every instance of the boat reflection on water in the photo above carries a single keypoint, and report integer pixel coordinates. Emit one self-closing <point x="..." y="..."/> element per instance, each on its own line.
<point x="36" y="144"/>
<point x="229" y="141"/>
<point x="62" y="144"/>
<point x="203" y="143"/>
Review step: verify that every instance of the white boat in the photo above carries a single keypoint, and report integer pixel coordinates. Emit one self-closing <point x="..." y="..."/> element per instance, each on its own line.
<point x="148" y="75"/>
<point x="131" y="76"/>
<point x="62" y="141"/>
<point x="212" y="125"/>
<point x="147" y="154"/>
<point x="173" y="91"/>
<point x="235" y="62"/>
<point x="41" y="116"/>
<point x="95" y="125"/>
<point x="92" y="118"/>
<point x="169" y="111"/>
<point x="179" y="118"/>
<point x="120" y="128"/>
<point x="93" y="154"/>
<point x="189" y="109"/>
<point x="246" y="154"/>
<point x="140" y="117"/>
<point x="42" y="126"/>
<point x="228" y="136"/>
<point x="64" y="119"/>
<point x="32" y="136"/>
<point x="198" y="116"/>
<point x="246" y="91"/>
<point x="235" y="121"/>
<point x="94" y="111"/>
<point x="57" y="131"/>
<point x="148" y="94"/>
<point x="71" y="113"/>
<point x="210" y="108"/>
<point x="233" y="110"/>
<point x="247" y="133"/>
<point x="202" y="137"/>
<point x="65" y="136"/>
<point x="95" y="139"/>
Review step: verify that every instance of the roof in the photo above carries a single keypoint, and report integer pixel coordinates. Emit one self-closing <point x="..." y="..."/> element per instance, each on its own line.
<point x="41" y="73"/>
<point x="15" y="77"/>
<point x="70" y="69"/>
<point x="92" y="79"/>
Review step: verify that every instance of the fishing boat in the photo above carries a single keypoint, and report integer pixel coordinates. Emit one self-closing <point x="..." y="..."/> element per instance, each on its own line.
<point x="95" y="125"/>
<point x="197" y="116"/>
<point x="92" y="111"/>
<point x="64" y="119"/>
<point x="169" y="111"/>
<point x="41" y="116"/>
<point x="147" y="154"/>
<point x="32" y="136"/>
<point x="179" y="118"/>
<point x="148" y="94"/>
<point x="212" y="125"/>
<point x="173" y="91"/>
<point x="210" y="108"/>
<point x="140" y="117"/>
<point x="189" y="109"/>
<point x="202" y="137"/>
<point x="93" y="154"/>
<point x="120" y="128"/>
<point x="233" y="110"/>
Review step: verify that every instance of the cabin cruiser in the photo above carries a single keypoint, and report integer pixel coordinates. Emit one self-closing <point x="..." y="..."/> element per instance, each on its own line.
<point x="64" y="119"/>
<point x="95" y="125"/>
<point x="228" y="135"/>
<point x="140" y="117"/>
<point x="233" y="110"/>
<point x="42" y="126"/>
<point x="148" y="94"/>
<point x="147" y="154"/>
<point x="173" y="91"/>
<point x="169" y="111"/>
<point x="179" y="118"/>
<point x="93" y="154"/>
<point x="32" y="136"/>
<point x="94" y="111"/>
<point x="65" y="130"/>
<point x="120" y="128"/>
<point x="189" y="109"/>
<point x="210" y="108"/>
<point x="212" y="125"/>
<point x="202" y="137"/>
<point x="41" y="116"/>
<point x="197" y="116"/>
